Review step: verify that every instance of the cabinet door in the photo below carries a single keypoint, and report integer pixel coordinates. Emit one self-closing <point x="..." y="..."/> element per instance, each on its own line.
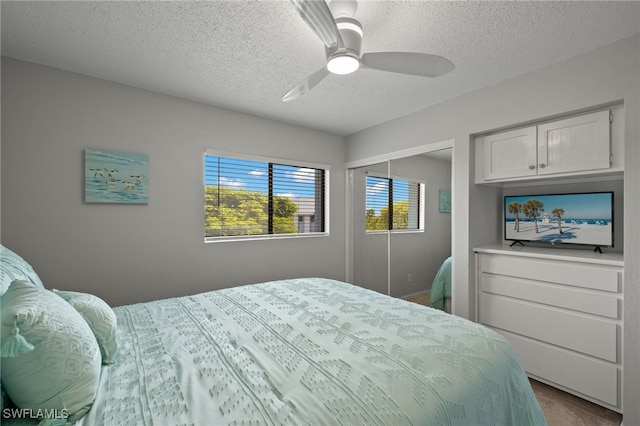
<point x="574" y="144"/>
<point x="510" y="154"/>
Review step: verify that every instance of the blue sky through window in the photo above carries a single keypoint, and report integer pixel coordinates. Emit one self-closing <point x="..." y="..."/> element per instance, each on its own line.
<point x="378" y="192"/>
<point x="289" y="181"/>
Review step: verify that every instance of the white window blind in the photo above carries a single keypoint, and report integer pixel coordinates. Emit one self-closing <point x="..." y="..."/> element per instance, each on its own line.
<point x="393" y="204"/>
<point x="253" y="197"/>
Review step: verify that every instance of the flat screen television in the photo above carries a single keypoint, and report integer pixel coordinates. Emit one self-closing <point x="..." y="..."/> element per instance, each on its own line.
<point x="576" y="218"/>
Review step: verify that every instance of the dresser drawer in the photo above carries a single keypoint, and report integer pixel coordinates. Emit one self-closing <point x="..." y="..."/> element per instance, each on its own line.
<point x="602" y="304"/>
<point x="588" y="335"/>
<point x="560" y="272"/>
<point x="584" y="375"/>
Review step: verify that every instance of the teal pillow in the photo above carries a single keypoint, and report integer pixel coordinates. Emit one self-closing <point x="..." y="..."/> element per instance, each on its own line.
<point x="50" y="357"/>
<point x="13" y="267"/>
<point x="100" y="317"/>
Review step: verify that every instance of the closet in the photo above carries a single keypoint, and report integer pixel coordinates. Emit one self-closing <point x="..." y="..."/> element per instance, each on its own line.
<point x="401" y="261"/>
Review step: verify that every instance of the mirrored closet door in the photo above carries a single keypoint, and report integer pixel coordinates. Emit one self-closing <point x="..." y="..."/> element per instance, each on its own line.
<point x="370" y="239"/>
<point x="420" y="240"/>
<point x="401" y="223"/>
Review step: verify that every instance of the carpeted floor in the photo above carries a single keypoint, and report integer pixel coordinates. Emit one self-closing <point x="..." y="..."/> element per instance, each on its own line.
<point x="564" y="409"/>
<point x="560" y="408"/>
<point x="421" y="299"/>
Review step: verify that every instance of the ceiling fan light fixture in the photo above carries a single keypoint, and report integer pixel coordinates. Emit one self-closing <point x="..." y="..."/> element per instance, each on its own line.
<point x="343" y="64"/>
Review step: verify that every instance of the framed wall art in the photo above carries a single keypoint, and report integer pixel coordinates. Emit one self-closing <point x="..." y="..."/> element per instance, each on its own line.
<point x="445" y="201"/>
<point x="116" y="177"/>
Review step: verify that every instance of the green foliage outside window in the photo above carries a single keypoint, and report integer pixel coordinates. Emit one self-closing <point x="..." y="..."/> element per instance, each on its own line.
<point x="380" y="222"/>
<point x="234" y="212"/>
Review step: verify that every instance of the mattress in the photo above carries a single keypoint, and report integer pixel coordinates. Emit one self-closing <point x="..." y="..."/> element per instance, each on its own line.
<point x="307" y="351"/>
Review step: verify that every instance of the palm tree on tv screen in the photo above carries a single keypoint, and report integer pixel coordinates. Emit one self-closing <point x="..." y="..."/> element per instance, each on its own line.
<point x="515" y="208"/>
<point x="558" y="213"/>
<point x="533" y="209"/>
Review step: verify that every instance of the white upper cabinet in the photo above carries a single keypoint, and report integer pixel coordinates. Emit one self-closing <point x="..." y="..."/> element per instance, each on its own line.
<point x="573" y="146"/>
<point x="510" y="154"/>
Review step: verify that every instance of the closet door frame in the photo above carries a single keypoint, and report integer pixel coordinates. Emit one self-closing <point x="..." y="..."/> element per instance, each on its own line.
<point x="349" y="168"/>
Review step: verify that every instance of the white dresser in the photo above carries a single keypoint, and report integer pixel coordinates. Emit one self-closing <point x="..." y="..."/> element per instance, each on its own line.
<point x="562" y="310"/>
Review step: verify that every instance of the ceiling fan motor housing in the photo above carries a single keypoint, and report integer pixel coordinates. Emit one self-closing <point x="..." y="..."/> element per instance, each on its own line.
<point x="351" y="33"/>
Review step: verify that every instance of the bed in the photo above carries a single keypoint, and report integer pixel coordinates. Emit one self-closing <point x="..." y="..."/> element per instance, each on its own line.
<point x="297" y="351"/>
<point x="441" y="287"/>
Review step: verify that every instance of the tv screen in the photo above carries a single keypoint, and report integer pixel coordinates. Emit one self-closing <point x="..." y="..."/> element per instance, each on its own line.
<point x="578" y="218"/>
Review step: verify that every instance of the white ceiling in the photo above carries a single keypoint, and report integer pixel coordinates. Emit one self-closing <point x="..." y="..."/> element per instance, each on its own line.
<point x="244" y="55"/>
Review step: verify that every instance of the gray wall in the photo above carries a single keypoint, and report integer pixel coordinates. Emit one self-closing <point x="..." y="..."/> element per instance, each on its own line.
<point x="606" y="75"/>
<point x="133" y="253"/>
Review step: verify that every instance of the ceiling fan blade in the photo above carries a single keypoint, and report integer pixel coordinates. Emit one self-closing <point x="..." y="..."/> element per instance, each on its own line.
<point x="420" y="64"/>
<point x="305" y="85"/>
<point x="318" y="16"/>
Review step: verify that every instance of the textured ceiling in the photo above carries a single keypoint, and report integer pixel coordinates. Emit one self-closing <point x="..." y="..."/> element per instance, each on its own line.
<point x="244" y="55"/>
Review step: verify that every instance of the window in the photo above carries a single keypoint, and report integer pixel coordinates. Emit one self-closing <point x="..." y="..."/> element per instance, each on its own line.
<point x="394" y="204"/>
<point x="259" y="197"/>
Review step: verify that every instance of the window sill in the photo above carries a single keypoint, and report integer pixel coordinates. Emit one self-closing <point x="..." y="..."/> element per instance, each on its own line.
<point x="208" y="240"/>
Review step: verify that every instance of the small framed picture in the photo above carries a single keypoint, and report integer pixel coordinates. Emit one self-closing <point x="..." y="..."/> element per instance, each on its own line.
<point x="445" y="201"/>
<point x="116" y="177"/>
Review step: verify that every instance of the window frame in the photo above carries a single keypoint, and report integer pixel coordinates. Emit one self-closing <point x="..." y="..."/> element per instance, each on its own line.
<point x="421" y="203"/>
<point x="269" y="160"/>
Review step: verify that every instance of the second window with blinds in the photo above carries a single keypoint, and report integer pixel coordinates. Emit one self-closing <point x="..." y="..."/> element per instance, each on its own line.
<point x="249" y="197"/>
<point x="394" y="204"/>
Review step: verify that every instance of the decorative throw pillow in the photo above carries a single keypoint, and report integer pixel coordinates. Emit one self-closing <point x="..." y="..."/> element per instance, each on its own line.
<point x="13" y="267"/>
<point x="50" y="357"/>
<point x="100" y="318"/>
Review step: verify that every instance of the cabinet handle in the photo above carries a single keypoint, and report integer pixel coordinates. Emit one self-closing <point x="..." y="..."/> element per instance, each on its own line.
<point x="531" y="167"/>
<point x="542" y="165"/>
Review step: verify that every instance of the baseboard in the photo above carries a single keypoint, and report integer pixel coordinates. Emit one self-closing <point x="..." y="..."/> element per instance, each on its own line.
<point x="418" y="294"/>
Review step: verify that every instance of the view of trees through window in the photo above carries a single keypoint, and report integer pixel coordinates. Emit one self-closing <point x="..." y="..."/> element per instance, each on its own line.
<point x="392" y="204"/>
<point x="250" y="198"/>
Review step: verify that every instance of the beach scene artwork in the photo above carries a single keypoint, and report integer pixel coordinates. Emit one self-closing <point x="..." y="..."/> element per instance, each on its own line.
<point x="116" y="177"/>
<point x="562" y="218"/>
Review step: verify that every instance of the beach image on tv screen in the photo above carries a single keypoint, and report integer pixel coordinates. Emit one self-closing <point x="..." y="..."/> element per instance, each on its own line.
<point x="560" y="218"/>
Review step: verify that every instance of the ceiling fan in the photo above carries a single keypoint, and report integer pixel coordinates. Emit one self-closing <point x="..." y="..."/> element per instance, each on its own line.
<point x="342" y="37"/>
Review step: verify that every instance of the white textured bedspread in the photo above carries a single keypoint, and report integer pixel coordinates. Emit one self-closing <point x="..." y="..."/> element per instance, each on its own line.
<point x="308" y="351"/>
